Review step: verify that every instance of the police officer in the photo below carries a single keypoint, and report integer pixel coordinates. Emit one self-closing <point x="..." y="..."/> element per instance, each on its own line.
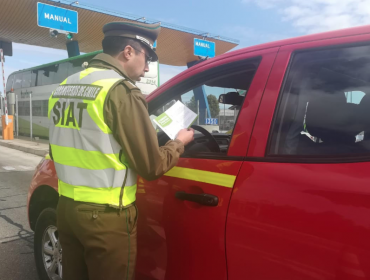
<point x="101" y="137"/>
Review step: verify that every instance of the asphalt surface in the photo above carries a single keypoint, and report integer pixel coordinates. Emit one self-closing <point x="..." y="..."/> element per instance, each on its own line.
<point x="16" y="237"/>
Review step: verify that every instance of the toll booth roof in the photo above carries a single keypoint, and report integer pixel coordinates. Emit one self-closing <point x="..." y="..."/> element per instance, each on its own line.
<point x="174" y="45"/>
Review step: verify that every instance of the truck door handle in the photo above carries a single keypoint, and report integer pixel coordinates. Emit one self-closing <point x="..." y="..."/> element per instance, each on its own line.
<point x="203" y="199"/>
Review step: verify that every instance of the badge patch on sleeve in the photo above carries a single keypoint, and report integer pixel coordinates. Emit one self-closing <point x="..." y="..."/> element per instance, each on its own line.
<point x="86" y="92"/>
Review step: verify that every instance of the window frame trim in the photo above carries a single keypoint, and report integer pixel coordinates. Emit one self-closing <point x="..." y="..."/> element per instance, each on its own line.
<point x="343" y="158"/>
<point x="184" y="87"/>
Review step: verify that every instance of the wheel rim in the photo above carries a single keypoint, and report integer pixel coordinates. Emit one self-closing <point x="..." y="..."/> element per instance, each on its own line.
<point x="52" y="253"/>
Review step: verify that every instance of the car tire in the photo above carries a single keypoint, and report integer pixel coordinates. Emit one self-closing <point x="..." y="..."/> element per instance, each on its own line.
<point x="48" y="253"/>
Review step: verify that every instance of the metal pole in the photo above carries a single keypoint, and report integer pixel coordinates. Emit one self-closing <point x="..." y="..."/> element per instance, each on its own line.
<point x="4" y="92"/>
<point x="31" y="115"/>
<point x="198" y="111"/>
<point x="205" y="116"/>
<point x="224" y="118"/>
<point x="16" y="109"/>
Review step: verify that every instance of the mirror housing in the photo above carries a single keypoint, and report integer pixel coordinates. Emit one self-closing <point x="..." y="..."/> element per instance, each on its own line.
<point x="231" y="98"/>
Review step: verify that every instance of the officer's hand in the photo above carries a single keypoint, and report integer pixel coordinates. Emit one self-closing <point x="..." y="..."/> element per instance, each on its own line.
<point x="186" y="135"/>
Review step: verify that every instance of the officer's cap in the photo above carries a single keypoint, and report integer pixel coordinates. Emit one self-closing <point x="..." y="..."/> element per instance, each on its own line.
<point x="145" y="33"/>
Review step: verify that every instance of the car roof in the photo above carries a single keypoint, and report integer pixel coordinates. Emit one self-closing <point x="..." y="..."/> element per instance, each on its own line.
<point x="297" y="40"/>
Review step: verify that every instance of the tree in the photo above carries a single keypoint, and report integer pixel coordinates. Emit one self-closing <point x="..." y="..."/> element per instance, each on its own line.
<point x="212" y="102"/>
<point x="192" y="105"/>
<point x="213" y="105"/>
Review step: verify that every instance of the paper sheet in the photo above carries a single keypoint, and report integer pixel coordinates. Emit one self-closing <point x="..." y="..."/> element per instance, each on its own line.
<point x="177" y="117"/>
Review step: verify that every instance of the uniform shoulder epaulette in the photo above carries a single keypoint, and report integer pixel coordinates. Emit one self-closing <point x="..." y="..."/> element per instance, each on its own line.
<point x="129" y="85"/>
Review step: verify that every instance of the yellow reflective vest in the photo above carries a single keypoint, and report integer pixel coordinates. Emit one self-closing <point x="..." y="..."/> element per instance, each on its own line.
<point x="88" y="160"/>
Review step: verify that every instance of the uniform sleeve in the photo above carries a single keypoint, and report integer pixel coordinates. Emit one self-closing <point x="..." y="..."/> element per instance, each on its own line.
<point x="127" y="116"/>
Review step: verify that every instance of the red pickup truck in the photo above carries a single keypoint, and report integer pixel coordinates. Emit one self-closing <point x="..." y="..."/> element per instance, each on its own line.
<point x="284" y="195"/>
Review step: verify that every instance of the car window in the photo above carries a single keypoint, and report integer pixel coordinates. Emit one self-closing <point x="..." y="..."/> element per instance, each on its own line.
<point x="233" y="81"/>
<point x="324" y="107"/>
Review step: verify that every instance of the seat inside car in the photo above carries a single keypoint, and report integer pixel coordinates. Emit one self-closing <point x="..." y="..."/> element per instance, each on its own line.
<point x="334" y="121"/>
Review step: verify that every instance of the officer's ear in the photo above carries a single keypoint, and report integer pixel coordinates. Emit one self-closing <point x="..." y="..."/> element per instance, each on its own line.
<point x="127" y="52"/>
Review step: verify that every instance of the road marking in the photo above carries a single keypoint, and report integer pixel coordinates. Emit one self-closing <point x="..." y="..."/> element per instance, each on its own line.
<point x="26" y="167"/>
<point x="17" y="168"/>
<point x="8" y="168"/>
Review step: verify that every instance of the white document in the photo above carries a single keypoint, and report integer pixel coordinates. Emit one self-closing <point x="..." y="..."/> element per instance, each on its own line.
<point x="177" y="117"/>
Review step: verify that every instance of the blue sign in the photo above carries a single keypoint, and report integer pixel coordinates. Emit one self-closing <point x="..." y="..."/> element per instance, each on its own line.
<point x="57" y="18"/>
<point x="204" y="48"/>
<point x="211" y="121"/>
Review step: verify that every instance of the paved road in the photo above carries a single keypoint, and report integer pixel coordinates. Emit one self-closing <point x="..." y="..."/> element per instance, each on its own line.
<point x="16" y="238"/>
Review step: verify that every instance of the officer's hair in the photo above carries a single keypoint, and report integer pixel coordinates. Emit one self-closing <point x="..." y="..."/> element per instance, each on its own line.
<point x="113" y="45"/>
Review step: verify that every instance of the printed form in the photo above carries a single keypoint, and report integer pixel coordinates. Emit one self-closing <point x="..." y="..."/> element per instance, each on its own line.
<point x="175" y="118"/>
